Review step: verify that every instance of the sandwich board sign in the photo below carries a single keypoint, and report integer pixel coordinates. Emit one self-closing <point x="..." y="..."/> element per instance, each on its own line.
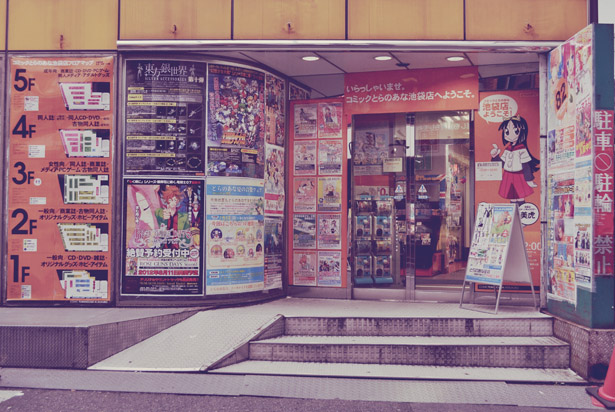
<point x="497" y="251"/>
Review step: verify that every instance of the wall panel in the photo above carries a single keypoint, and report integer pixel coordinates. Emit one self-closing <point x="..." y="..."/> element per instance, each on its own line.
<point x="289" y="19"/>
<point x="62" y="24"/>
<point x="524" y="19"/>
<point x="176" y="19"/>
<point x="403" y="19"/>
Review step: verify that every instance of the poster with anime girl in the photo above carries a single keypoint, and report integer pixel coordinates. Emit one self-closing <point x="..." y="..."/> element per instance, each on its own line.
<point x="518" y="164"/>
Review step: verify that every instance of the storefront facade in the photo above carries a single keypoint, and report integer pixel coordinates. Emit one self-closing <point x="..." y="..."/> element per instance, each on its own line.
<point x="175" y="156"/>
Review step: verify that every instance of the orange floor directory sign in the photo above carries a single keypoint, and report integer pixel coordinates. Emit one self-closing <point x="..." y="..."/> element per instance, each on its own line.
<point x="60" y="178"/>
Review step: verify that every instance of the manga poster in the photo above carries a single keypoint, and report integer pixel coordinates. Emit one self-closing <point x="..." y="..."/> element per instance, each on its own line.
<point x="236" y="122"/>
<point x="235" y="235"/>
<point x="330" y="157"/>
<point x="305" y="121"/>
<point x="304" y="196"/>
<point x="304" y="156"/>
<point x="164" y="117"/>
<point x="507" y="146"/>
<point x="274" y="180"/>
<point x="329" y="236"/>
<point x="275" y="107"/>
<point x="297" y="93"/>
<point x="274" y="252"/>
<point x="329" y="194"/>
<point x="330" y="120"/>
<point x="304" y="268"/>
<point x="562" y="278"/>
<point x="329" y="268"/>
<point x="60" y="151"/>
<point x="370" y="150"/>
<point x="304" y="231"/>
<point x="163" y="222"/>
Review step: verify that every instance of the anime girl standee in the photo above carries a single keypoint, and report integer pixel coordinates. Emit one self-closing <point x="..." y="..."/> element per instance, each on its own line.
<point x="518" y="163"/>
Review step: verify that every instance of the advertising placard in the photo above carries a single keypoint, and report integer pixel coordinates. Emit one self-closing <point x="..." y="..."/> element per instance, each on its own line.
<point x="164" y="117"/>
<point x="507" y="166"/>
<point x="330" y="120"/>
<point x="330" y="157"/>
<point x="401" y="91"/>
<point x="275" y="107"/>
<point x="235" y="235"/>
<point x="329" y="268"/>
<point x="329" y="194"/>
<point x="60" y="178"/>
<point x="274" y="252"/>
<point x="274" y="181"/>
<point x="304" y="268"/>
<point x="163" y="223"/>
<point x="305" y="121"/>
<point x="304" y="156"/>
<point x="304" y="195"/>
<point x="329" y="227"/>
<point x="236" y="122"/>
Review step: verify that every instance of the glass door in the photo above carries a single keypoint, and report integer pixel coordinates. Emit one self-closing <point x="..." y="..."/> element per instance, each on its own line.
<point x="441" y="203"/>
<point x="410" y="205"/>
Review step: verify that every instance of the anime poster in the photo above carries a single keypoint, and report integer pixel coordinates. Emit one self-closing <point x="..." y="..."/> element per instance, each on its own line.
<point x="329" y="194"/>
<point x="59" y="166"/>
<point x="329" y="268"/>
<point x="370" y="149"/>
<point x="304" y="157"/>
<point x="274" y="252"/>
<point x="330" y="120"/>
<point x="304" y="196"/>
<point x="507" y="131"/>
<point x="330" y="157"/>
<point x="329" y="231"/>
<point x="583" y="190"/>
<point x="304" y="268"/>
<point x="584" y="128"/>
<point x="235" y="235"/>
<point x="164" y="116"/>
<point x="562" y="279"/>
<point x="304" y="231"/>
<point x="305" y="121"/>
<point x="297" y="93"/>
<point x="583" y="261"/>
<point x="236" y="122"/>
<point x="275" y="108"/>
<point x="163" y="222"/>
<point x="274" y="180"/>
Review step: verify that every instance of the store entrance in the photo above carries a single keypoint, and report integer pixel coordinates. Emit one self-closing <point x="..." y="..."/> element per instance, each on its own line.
<point x="410" y="205"/>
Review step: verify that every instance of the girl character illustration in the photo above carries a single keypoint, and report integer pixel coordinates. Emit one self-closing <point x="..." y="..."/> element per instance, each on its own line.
<point x="518" y="163"/>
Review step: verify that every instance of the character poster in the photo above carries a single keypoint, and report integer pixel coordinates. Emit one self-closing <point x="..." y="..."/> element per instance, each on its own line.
<point x="304" y="231"/>
<point x="274" y="252"/>
<point x="60" y="180"/>
<point x="370" y="150"/>
<point x="164" y="117"/>
<point x="329" y="194"/>
<point x="508" y="168"/>
<point x="236" y="122"/>
<point x="275" y="107"/>
<point x="329" y="268"/>
<point x="235" y="235"/>
<point x="274" y="180"/>
<point x="304" y="268"/>
<point x="304" y="157"/>
<point x="304" y="194"/>
<point x="329" y="231"/>
<point x="163" y="222"/>
<point x="330" y="120"/>
<point x="330" y="157"/>
<point x="297" y="93"/>
<point x="305" y="121"/>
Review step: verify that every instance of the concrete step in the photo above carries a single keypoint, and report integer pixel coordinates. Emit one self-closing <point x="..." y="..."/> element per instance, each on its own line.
<point x="421" y="372"/>
<point x="505" y="351"/>
<point x="436" y="326"/>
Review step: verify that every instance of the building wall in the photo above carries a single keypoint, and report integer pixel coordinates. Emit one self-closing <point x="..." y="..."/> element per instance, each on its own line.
<point x="98" y="24"/>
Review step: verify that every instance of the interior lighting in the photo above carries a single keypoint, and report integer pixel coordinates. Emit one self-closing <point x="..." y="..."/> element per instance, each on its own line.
<point x="382" y="58"/>
<point x="455" y="58"/>
<point x="310" y="58"/>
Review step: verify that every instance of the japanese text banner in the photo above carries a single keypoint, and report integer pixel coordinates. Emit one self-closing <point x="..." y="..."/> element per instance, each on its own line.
<point x="454" y="88"/>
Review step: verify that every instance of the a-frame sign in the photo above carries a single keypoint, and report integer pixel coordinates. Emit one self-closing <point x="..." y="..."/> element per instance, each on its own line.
<point x="497" y="252"/>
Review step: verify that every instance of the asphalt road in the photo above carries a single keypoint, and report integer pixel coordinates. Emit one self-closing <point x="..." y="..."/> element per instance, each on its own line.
<point x="29" y="400"/>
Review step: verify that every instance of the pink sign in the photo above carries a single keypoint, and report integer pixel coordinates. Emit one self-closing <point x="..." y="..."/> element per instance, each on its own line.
<point x="454" y="88"/>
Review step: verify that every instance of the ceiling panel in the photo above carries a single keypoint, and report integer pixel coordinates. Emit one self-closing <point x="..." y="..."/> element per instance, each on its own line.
<point x="324" y="86"/>
<point x="505" y="69"/>
<point x="291" y="64"/>
<point x="480" y="59"/>
<point x="351" y="62"/>
<point x="429" y="60"/>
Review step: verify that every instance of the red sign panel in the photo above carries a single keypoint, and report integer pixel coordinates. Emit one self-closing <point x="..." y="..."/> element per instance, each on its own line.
<point x="454" y="88"/>
<point x="603" y="192"/>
